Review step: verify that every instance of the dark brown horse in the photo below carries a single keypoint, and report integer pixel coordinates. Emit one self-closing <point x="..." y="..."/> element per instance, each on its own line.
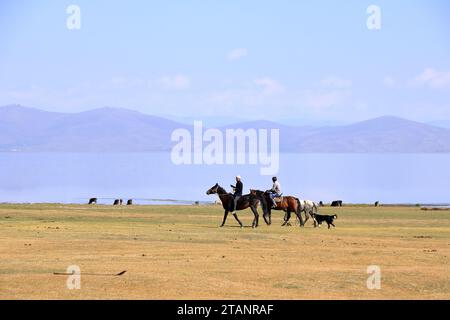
<point x="288" y="204"/>
<point x="246" y="201"/>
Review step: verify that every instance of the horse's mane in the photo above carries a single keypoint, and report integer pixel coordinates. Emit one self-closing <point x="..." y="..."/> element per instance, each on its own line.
<point x="221" y="190"/>
<point x="258" y="192"/>
<point x="260" y="195"/>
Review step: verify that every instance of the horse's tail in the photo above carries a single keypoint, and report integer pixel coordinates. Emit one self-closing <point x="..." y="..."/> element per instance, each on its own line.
<point x="299" y="212"/>
<point x="302" y="205"/>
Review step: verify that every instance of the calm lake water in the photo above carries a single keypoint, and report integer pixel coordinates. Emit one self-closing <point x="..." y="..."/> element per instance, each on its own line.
<point x="74" y="177"/>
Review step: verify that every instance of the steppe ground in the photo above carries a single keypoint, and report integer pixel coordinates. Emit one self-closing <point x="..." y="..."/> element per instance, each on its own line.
<point x="179" y="252"/>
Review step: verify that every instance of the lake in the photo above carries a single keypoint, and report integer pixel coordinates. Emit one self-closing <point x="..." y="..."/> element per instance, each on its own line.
<point x="356" y="178"/>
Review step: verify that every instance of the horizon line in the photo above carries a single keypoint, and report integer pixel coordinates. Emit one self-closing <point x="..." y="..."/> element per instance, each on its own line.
<point x="337" y="123"/>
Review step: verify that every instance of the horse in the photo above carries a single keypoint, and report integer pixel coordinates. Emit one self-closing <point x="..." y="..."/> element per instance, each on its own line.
<point x="287" y="204"/>
<point x="246" y="201"/>
<point x="309" y="207"/>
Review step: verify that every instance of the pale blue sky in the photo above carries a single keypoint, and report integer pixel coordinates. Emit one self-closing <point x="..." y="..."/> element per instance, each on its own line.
<point x="292" y="61"/>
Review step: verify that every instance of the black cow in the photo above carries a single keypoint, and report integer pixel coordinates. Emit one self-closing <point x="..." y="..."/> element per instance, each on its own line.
<point x="377" y="203"/>
<point x="93" y="201"/>
<point x="320" y="204"/>
<point x="129" y="202"/>
<point x="336" y="203"/>
<point x="116" y="202"/>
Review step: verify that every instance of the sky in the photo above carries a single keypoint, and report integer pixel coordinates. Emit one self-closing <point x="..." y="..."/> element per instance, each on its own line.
<point x="303" y="62"/>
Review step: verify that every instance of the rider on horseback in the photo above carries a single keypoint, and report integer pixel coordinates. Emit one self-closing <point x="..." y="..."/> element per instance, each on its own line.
<point x="275" y="191"/>
<point x="237" y="193"/>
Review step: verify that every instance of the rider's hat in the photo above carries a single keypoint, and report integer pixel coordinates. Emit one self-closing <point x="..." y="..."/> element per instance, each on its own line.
<point x="274" y="179"/>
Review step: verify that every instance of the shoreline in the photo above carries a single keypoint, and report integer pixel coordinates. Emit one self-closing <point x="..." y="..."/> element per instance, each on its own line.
<point x="425" y="206"/>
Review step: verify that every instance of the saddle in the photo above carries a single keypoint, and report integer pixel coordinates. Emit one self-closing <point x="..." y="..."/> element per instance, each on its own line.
<point x="279" y="198"/>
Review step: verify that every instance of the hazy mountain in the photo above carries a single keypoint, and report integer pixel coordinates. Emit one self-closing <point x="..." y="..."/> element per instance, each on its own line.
<point x="440" y="123"/>
<point x="384" y="134"/>
<point x="104" y="129"/>
<point x="123" y="130"/>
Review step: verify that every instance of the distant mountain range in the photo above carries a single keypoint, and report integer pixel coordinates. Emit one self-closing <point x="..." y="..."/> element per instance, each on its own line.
<point x="122" y="130"/>
<point x="441" y="123"/>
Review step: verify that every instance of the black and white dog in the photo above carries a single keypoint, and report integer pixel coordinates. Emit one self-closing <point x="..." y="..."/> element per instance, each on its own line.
<point x="318" y="219"/>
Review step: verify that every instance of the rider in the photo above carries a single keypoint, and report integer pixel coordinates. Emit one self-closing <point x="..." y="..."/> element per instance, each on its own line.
<point x="275" y="191"/>
<point x="237" y="193"/>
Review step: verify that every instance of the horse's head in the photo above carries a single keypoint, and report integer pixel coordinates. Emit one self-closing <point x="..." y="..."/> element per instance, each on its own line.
<point x="213" y="189"/>
<point x="255" y="192"/>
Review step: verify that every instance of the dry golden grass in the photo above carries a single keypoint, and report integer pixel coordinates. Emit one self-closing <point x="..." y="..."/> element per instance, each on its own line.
<point x="179" y="252"/>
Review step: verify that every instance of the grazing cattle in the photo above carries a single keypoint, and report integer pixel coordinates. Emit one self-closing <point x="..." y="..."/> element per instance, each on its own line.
<point x="318" y="219"/>
<point x="377" y="203"/>
<point x="116" y="202"/>
<point x="93" y="201"/>
<point x="320" y="204"/>
<point x="120" y="201"/>
<point x="336" y="203"/>
<point x="129" y="202"/>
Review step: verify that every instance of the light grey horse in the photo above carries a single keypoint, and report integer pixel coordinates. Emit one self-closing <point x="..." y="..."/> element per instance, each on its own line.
<point x="309" y="207"/>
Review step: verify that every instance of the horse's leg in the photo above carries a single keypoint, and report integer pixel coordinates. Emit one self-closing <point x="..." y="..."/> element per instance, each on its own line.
<point x="306" y="215"/>
<point x="311" y="213"/>
<point x="287" y="216"/>
<point x="225" y="215"/>
<point x="237" y="219"/>
<point x="288" y="212"/>
<point x="255" y="220"/>
<point x="299" y="216"/>
<point x="284" y="219"/>
<point x="265" y="215"/>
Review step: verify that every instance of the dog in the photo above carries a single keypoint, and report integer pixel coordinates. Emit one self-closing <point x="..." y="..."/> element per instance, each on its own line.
<point x="318" y="219"/>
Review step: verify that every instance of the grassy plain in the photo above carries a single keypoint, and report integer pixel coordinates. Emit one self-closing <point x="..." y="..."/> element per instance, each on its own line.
<point x="179" y="252"/>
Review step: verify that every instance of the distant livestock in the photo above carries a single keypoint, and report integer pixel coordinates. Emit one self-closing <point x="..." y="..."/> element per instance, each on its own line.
<point x="377" y="203"/>
<point x="320" y="204"/>
<point x="129" y="202"/>
<point x="336" y="203"/>
<point x="116" y="202"/>
<point x="120" y="201"/>
<point x="93" y="201"/>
